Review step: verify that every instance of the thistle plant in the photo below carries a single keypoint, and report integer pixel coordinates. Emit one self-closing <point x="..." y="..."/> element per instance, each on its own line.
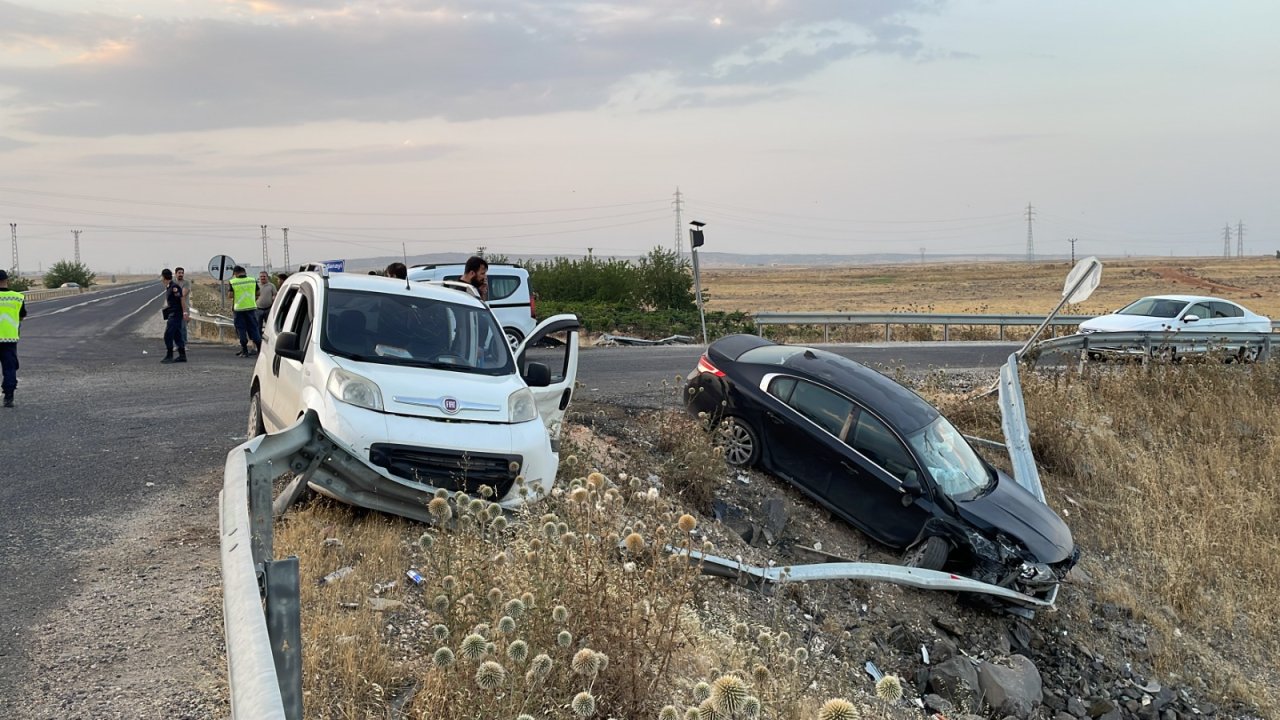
<point x="837" y="709"/>
<point x="889" y="688"/>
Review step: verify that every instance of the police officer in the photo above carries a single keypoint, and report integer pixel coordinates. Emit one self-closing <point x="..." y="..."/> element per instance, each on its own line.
<point x="175" y="313"/>
<point x="244" y="297"/>
<point x="12" y="310"/>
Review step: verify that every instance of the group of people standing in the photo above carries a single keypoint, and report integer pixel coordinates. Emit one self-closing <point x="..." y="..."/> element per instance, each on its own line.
<point x="250" y="300"/>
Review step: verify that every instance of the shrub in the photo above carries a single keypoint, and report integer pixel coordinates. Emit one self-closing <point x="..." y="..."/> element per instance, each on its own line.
<point x="65" y="271"/>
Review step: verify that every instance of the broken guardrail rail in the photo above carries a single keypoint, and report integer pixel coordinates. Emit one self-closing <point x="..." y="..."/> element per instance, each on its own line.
<point x="1147" y="344"/>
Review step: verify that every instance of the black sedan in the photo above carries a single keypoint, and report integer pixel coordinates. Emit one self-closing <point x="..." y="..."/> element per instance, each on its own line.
<point x="880" y="457"/>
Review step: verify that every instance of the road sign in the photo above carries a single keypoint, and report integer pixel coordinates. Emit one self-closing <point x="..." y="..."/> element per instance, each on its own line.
<point x="220" y="267"/>
<point x="335" y="265"/>
<point x="1082" y="280"/>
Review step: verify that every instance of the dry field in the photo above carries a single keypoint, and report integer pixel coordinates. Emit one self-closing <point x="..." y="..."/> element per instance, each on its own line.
<point x="1011" y="287"/>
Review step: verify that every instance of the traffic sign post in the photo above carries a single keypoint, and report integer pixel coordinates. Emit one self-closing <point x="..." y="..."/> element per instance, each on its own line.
<point x="221" y="267"/>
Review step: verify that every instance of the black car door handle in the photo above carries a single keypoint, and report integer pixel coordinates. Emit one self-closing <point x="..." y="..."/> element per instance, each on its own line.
<point x="849" y="468"/>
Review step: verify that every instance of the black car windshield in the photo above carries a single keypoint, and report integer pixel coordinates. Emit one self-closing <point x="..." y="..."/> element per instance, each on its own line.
<point x="955" y="467"/>
<point x="409" y="329"/>
<point x="1154" y="307"/>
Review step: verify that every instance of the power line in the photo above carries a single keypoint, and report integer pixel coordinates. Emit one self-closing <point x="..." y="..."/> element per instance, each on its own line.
<point x="754" y="211"/>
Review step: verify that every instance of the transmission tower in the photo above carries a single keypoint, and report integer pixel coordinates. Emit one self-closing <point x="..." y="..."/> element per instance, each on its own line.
<point x="13" y="233"/>
<point x="678" y="203"/>
<point x="266" y="251"/>
<point x="286" y="249"/>
<point x="1226" y="240"/>
<point x="1073" y="242"/>
<point x="1031" y="243"/>
<point x="76" y="233"/>
<point x="1240" y="238"/>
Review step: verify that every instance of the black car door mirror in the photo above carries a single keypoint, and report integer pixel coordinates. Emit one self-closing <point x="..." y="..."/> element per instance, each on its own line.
<point x="287" y="346"/>
<point x="537" y="374"/>
<point x="911" y="483"/>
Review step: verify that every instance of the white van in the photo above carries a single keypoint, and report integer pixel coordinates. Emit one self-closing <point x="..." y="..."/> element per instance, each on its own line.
<point x="416" y="379"/>
<point x="510" y="296"/>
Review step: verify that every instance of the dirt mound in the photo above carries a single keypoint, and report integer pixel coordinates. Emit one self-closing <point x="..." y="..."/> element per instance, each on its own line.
<point x="1185" y="276"/>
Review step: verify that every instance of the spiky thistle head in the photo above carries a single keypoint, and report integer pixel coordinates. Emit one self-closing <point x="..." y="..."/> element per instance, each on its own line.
<point x="889" y="688"/>
<point x="802" y="654"/>
<point x="474" y="647"/>
<point x="579" y="495"/>
<point x="701" y="691"/>
<point x="476" y="506"/>
<point x="514" y="607"/>
<point x="760" y="674"/>
<point x="440" y="509"/>
<point x="440" y="632"/>
<point x="707" y="711"/>
<point x="560" y="613"/>
<point x="596" y="480"/>
<point x="727" y="694"/>
<point x="442" y="658"/>
<point x="448" y="583"/>
<point x="486" y="491"/>
<point x="687" y="523"/>
<point x="741" y="630"/>
<point x="518" y="650"/>
<point x="634" y="543"/>
<point x="526" y="598"/>
<point x="499" y="524"/>
<point x="585" y="662"/>
<point x="790" y="664"/>
<point x="751" y="707"/>
<point x="837" y="709"/>
<point x="441" y="493"/>
<point x="490" y="675"/>
<point x="541" y="665"/>
<point x="440" y="603"/>
<point x="564" y="638"/>
<point x="584" y="704"/>
<point x="691" y="713"/>
<point x="425" y="541"/>
<point x="669" y="712"/>
<point x="784" y="639"/>
<point x="764" y="640"/>
<point x="494" y="596"/>
<point x="506" y="624"/>
<point x="550" y="531"/>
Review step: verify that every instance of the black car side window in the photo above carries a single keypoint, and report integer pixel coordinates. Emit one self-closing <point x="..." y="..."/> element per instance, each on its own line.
<point x="877" y="442"/>
<point x="781" y="388"/>
<point x="822" y="406"/>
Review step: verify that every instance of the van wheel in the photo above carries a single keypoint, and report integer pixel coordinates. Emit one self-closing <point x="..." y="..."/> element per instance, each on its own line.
<point x="928" y="554"/>
<point x="514" y="337"/>
<point x="256" y="426"/>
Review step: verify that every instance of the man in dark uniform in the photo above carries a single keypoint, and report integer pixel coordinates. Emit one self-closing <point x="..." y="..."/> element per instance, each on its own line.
<point x="175" y="314"/>
<point x="13" y="309"/>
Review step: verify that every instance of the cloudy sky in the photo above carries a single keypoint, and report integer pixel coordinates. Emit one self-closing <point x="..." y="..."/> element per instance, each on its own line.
<point x="171" y="130"/>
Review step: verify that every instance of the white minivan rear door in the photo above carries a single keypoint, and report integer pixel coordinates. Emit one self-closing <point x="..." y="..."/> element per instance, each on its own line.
<point x="553" y="343"/>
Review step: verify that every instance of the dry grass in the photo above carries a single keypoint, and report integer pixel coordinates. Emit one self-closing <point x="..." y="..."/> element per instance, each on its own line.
<point x="1168" y="475"/>
<point x="988" y="287"/>
<point x="572" y="609"/>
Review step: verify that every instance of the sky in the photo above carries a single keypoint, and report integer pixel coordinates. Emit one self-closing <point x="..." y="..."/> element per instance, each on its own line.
<point x="169" y="131"/>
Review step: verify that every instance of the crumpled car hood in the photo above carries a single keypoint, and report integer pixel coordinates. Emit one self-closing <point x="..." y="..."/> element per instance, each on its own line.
<point x="1010" y="509"/>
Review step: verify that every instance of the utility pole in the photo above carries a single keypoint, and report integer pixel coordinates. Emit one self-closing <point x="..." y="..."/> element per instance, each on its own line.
<point x="921" y="256"/>
<point x="1031" y="243"/>
<point x="1073" y="242"/>
<point x="266" y="251"/>
<point x="679" y="205"/>
<point x="1226" y="240"/>
<point x="286" y="249"/>
<point x="1240" y="238"/>
<point x="13" y="233"/>
<point x="76" y="233"/>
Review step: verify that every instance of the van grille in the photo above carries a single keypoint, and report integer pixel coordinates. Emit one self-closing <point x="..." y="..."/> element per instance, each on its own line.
<point x="449" y="469"/>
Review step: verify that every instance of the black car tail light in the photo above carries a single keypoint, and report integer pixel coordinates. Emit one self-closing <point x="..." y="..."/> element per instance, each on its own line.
<point x="705" y="366"/>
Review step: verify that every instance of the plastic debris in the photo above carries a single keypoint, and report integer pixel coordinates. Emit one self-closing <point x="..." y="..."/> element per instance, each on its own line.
<point x="415" y="576"/>
<point x="337" y="575"/>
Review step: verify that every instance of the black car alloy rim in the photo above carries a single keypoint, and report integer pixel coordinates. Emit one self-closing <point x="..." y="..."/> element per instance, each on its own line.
<point x="738" y="443"/>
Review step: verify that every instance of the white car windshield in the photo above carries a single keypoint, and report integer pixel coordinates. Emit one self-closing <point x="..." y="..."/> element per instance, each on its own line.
<point x="955" y="467"/>
<point x="1154" y="307"/>
<point x="394" y="329"/>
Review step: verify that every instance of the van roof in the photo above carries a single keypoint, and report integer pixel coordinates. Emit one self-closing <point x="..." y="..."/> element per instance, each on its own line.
<point x="394" y="286"/>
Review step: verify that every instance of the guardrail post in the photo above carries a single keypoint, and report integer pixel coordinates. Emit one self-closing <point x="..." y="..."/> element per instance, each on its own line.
<point x="284" y="625"/>
<point x="888" y="334"/>
<point x="826" y="332"/>
<point x="946" y="332"/>
<point x="1084" y="352"/>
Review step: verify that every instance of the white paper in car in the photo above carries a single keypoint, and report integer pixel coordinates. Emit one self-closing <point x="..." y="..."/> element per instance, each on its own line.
<point x="391" y="351"/>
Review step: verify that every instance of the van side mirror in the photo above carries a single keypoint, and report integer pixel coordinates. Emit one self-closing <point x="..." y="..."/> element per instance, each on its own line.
<point x="287" y="346"/>
<point x="537" y="374"/>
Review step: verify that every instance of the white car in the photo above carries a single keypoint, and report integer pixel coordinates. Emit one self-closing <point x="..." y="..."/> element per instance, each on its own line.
<point x="417" y="379"/>
<point x="1180" y="314"/>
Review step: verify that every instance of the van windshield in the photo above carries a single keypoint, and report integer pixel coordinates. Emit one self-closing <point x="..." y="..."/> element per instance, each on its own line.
<point x="414" y="330"/>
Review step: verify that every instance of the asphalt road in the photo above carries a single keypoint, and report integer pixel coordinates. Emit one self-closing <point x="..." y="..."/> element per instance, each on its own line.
<point x="101" y="430"/>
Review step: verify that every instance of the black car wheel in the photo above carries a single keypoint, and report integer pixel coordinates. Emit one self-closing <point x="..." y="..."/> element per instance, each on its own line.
<point x="928" y="554"/>
<point x="255" y="425"/>
<point x="739" y="440"/>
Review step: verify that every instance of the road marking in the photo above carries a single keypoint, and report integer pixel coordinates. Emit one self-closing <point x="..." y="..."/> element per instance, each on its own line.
<point x="89" y="302"/>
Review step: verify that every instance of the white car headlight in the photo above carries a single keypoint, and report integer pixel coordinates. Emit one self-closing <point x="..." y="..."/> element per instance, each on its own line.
<point x="522" y="406"/>
<point x="354" y="389"/>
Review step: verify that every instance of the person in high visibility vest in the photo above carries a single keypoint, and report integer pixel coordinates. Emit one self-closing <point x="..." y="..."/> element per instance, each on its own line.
<point x="244" y="300"/>
<point x="13" y="309"/>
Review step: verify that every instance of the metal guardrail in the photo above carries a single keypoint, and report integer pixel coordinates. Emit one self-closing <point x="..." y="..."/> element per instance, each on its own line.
<point x="212" y="326"/>
<point x="37" y="295"/>
<point x="946" y="320"/>
<point x="1145" y="345"/>
<point x="1017" y="435"/>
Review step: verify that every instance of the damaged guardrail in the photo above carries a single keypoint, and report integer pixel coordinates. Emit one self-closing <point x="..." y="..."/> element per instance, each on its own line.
<point x="1251" y="345"/>
<point x="1017" y="435"/>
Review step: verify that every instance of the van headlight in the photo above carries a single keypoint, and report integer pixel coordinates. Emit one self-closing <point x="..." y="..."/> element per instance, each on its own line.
<point x="354" y="389"/>
<point x="522" y="406"/>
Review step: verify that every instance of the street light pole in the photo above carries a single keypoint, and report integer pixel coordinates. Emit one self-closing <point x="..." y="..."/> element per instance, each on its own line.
<point x="695" y="242"/>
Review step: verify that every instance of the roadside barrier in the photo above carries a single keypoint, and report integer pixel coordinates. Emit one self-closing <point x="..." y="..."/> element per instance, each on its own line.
<point x="37" y="295"/>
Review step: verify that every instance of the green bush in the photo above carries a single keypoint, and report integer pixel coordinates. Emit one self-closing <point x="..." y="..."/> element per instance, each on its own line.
<point x="628" y="320"/>
<point x="19" y="284"/>
<point x="65" y="271"/>
<point x="660" y="280"/>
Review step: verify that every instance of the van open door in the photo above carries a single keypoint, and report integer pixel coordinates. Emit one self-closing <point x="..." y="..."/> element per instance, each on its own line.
<point x="548" y="361"/>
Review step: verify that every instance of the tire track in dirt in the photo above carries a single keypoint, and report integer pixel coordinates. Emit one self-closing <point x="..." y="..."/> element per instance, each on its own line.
<point x="1177" y="275"/>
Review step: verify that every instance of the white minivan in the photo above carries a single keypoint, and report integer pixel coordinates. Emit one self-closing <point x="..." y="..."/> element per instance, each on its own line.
<point x="417" y="379"/>
<point x="510" y="296"/>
